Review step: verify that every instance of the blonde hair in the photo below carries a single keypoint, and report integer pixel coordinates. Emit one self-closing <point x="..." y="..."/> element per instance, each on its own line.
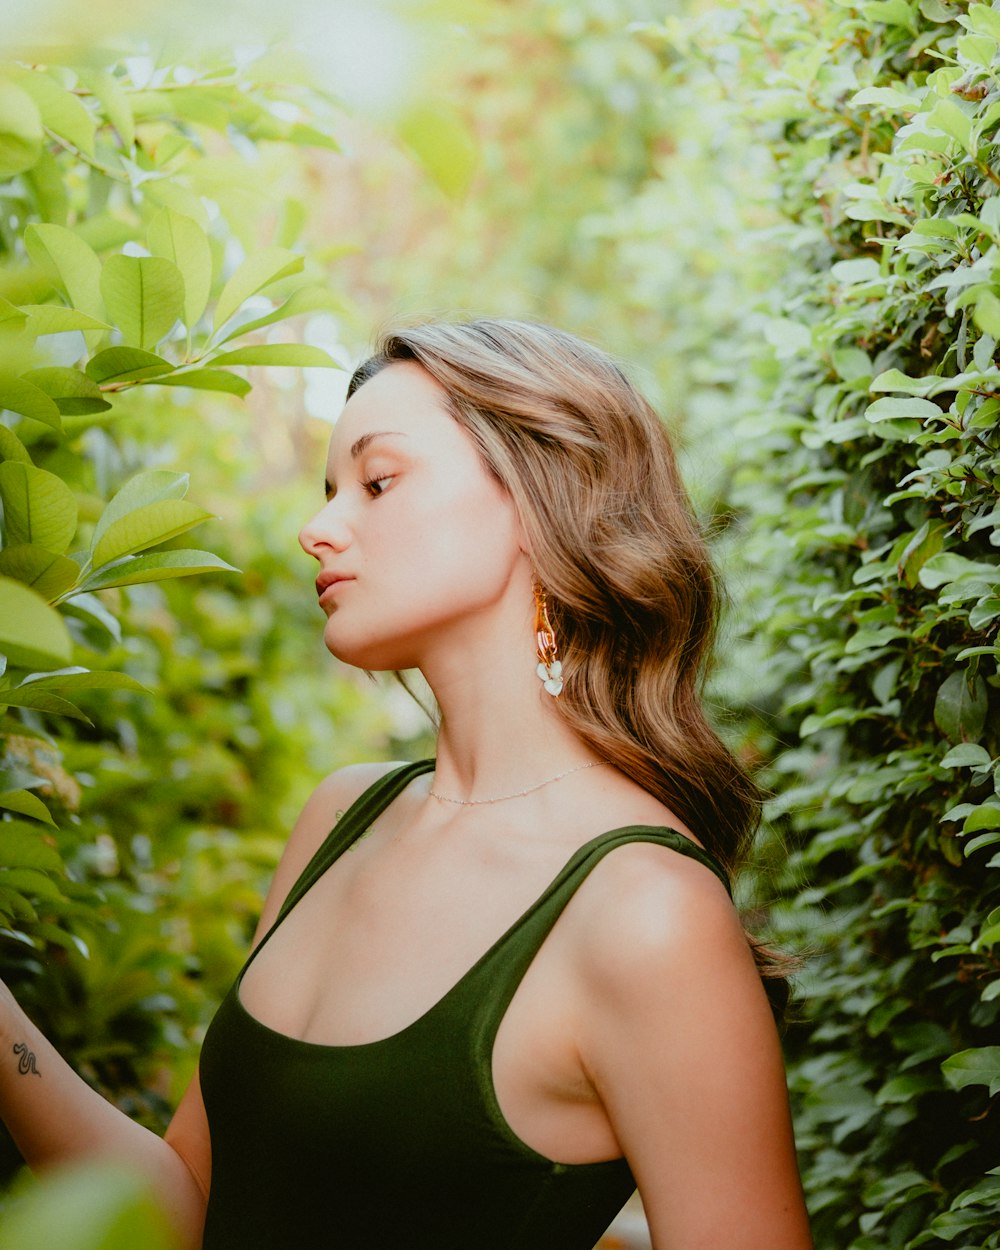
<point x="613" y="539"/>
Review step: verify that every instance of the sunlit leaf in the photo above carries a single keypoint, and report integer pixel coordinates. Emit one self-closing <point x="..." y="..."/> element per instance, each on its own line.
<point x="160" y="566"/>
<point x="32" y="634"/>
<point x="180" y="239"/>
<point x="145" y="527"/>
<point x="258" y="271"/>
<point x="144" y="296"/>
<point x="39" y="507"/>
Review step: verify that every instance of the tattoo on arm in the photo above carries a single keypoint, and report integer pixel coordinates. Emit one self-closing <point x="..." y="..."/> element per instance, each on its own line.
<point x="26" y="1059"/>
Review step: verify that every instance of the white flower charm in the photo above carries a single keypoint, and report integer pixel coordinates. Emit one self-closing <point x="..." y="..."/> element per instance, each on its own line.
<point x="550" y="675"/>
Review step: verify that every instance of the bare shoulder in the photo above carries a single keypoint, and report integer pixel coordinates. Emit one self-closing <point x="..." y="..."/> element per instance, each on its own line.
<point x="648" y="912"/>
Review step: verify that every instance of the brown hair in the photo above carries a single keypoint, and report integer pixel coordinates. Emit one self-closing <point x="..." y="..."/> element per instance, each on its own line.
<point x="613" y="539"/>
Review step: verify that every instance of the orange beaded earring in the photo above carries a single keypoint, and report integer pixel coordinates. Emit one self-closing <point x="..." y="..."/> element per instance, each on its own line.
<point x="549" y="665"/>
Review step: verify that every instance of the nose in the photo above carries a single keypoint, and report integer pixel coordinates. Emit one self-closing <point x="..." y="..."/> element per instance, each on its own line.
<point x="327" y="530"/>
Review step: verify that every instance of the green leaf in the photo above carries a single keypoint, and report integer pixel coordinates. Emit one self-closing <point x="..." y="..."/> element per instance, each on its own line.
<point x="60" y="110"/>
<point x="982" y="18"/>
<point x="11" y="447"/>
<point x="20" y="396"/>
<point x="70" y="262"/>
<point x="258" y="271"/>
<point x="26" y="804"/>
<point x="87" y="680"/>
<point x="72" y="392"/>
<point x="298" y="354"/>
<point x="983" y="816"/>
<point x="55" y="319"/>
<point x="181" y="562"/>
<point x="181" y="240"/>
<point x="443" y="144"/>
<point x="306" y="299"/>
<point x="893" y="407"/>
<point x="947" y="117"/>
<point x="40" y="701"/>
<point x="987" y="313"/>
<point x="967" y="755"/>
<point x="207" y="380"/>
<point x="48" y="574"/>
<point x="114" y="100"/>
<point x="150" y="486"/>
<point x="32" y="634"/>
<point x="948" y="566"/>
<point x="26" y="846"/>
<point x="144" y="296"/>
<point x="145" y="527"/>
<point x="978" y="1066"/>
<point x="126" y="364"/>
<point x="38" y="507"/>
<point x="21" y="131"/>
<point x="960" y="708"/>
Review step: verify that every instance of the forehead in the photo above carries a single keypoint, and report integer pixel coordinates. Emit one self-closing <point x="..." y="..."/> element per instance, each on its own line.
<point x="402" y="397"/>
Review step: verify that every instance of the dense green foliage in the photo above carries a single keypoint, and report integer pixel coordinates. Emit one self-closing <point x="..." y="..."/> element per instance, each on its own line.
<point x="149" y="244"/>
<point x="869" y="478"/>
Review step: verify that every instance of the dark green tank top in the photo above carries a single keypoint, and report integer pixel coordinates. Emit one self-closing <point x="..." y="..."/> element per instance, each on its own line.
<point x="398" y="1144"/>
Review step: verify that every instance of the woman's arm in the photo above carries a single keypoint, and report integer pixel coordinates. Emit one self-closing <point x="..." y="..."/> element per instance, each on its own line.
<point x="684" y="1053"/>
<point x="55" y="1117"/>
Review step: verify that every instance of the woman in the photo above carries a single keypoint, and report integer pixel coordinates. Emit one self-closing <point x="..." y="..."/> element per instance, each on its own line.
<point x="510" y="980"/>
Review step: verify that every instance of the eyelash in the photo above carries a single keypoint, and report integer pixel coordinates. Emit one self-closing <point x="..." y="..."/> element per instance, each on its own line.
<point x="370" y="483"/>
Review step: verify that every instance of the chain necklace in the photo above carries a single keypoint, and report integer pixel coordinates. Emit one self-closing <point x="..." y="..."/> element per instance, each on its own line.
<point x="502" y="798"/>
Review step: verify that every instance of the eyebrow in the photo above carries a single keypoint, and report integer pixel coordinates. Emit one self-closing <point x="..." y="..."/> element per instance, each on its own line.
<point x="360" y="444"/>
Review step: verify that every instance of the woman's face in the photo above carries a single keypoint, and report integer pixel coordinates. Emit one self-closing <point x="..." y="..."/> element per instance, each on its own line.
<point x="417" y="541"/>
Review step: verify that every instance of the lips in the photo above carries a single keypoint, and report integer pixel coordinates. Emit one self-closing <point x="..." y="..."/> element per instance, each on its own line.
<point x="329" y="579"/>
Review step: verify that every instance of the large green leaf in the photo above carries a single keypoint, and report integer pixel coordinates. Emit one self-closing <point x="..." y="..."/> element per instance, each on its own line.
<point x="60" y="109"/>
<point x="144" y="488"/>
<point x="161" y="566"/>
<point x="301" y="355"/>
<point x="979" y="1066"/>
<point x="206" y="380"/>
<point x="91" y="1206"/>
<point x="42" y="701"/>
<point x="26" y="804"/>
<point x="85" y="680"/>
<point x="181" y="240"/>
<point x="306" y="299"/>
<point x="21" y="131"/>
<point x="70" y="262"/>
<point x="23" y="845"/>
<point x="55" y="319"/>
<point x="960" y="707"/>
<point x="144" y="296"/>
<point x="114" y="100"/>
<point x="258" y="271"/>
<point x="443" y="144"/>
<point x="22" y="397"/>
<point x="126" y="364"/>
<point x="32" y="635"/>
<point x="50" y="575"/>
<point x="11" y="447"/>
<point x="39" y="507"/>
<point x="72" y="392"/>
<point x="146" y="527"/>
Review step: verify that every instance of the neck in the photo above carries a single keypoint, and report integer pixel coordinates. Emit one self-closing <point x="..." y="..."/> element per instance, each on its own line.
<point x="500" y="732"/>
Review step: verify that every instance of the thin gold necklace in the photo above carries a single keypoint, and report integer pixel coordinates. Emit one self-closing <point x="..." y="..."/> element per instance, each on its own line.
<point x="502" y="798"/>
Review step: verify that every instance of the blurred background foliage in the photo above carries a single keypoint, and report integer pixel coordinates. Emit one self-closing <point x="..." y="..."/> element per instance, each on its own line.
<point x="785" y="219"/>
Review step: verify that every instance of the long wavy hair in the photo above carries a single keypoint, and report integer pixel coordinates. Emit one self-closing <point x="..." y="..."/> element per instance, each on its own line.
<point x="613" y="539"/>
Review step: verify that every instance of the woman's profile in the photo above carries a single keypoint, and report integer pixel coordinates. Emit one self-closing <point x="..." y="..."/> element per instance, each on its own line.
<point x="494" y="991"/>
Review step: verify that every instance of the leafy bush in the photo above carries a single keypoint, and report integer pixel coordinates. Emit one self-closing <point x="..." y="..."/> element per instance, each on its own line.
<point x="868" y="478"/>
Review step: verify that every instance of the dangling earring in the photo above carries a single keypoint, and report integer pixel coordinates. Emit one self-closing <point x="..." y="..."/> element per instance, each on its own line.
<point x="549" y="668"/>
